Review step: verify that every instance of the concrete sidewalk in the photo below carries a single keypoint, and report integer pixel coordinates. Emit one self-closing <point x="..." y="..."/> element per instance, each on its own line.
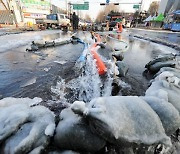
<point x="163" y="36"/>
<point x="160" y="30"/>
<point x="14" y="29"/>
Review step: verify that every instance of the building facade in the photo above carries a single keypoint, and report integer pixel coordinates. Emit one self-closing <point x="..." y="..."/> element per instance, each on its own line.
<point x="23" y="11"/>
<point x="33" y="9"/>
<point x="168" y="6"/>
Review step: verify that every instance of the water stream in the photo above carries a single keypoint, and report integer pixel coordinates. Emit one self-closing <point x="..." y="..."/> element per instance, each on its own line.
<point x="89" y="84"/>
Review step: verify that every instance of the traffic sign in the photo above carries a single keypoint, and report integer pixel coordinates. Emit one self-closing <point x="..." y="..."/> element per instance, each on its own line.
<point x="84" y="6"/>
<point x="135" y="6"/>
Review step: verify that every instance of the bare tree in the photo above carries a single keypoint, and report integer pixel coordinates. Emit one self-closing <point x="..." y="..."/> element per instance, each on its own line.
<point x="101" y="17"/>
<point x="153" y="9"/>
<point x="87" y="17"/>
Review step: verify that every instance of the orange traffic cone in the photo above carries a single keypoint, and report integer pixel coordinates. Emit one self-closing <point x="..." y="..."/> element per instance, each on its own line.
<point x="120" y="28"/>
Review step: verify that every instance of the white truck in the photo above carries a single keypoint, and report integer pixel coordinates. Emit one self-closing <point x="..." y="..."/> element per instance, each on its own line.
<point x="60" y="21"/>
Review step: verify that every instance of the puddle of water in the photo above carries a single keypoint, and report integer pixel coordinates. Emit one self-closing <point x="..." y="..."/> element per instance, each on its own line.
<point x="29" y="82"/>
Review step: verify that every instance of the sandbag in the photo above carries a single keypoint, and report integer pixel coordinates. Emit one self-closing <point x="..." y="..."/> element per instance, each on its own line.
<point x="160" y="59"/>
<point x="174" y="71"/>
<point x="39" y="43"/>
<point x="157" y="66"/>
<point x="49" y="43"/>
<point x="24" y="127"/>
<point x="122" y="68"/>
<point x="167" y="113"/>
<point x="73" y="133"/>
<point x="57" y="43"/>
<point x="118" y="55"/>
<point x="165" y="90"/>
<point x="124" y="120"/>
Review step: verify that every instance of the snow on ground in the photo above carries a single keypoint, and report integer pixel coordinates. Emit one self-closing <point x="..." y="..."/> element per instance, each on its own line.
<point x="24" y="126"/>
<point x="15" y="40"/>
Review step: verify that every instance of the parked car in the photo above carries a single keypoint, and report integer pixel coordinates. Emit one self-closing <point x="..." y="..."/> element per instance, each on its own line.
<point x="54" y="20"/>
<point x="82" y="24"/>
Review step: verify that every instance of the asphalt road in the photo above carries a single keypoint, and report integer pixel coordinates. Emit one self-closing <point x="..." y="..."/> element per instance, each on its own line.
<point x="29" y="74"/>
<point x="172" y="37"/>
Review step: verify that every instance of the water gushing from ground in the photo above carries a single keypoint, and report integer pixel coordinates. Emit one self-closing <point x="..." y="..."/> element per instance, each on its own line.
<point x="59" y="90"/>
<point x="88" y="84"/>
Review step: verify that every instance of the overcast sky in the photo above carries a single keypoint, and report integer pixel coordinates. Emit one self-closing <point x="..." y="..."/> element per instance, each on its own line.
<point x="94" y="5"/>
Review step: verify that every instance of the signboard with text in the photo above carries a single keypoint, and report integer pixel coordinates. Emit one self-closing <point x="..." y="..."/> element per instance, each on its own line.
<point x="35" y="6"/>
<point x="135" y="6"/>
<point x="84" y="6"/>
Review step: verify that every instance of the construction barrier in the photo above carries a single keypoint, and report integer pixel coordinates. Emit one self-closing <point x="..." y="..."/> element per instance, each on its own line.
<point x="120" y="29"/>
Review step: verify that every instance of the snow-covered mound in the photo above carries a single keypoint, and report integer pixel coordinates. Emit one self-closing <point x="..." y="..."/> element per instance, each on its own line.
<point x="73" y="133"/>
<point x="167" y="86"/>
<point x="24" y="126"/>
<point x="124" y="120"/>
<point x="167" y="113"/>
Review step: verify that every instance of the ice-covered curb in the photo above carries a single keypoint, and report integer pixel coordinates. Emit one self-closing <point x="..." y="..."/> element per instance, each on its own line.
<point x="160" y="41"/>
<point x="25" y="126"/>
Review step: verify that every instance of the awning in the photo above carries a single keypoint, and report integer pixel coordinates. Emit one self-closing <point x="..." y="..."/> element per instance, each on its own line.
<point x="118" y="20"/>
<point x="153" y="18"/>
<point x="148" y="19"/>
<point x="177" y="12"/>
<point x="159" y="18"/>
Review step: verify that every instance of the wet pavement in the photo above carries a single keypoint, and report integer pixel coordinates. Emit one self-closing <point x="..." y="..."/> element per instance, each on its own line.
<point x="172" y="37"/>
<point x="28" y="74"/>
<point x="20" y="68"/>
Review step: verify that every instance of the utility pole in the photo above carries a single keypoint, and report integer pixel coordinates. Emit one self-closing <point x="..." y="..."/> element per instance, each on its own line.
<point x="69" y="10"/>
<point x="140" y="6"/>
<point x="67" y="7"/>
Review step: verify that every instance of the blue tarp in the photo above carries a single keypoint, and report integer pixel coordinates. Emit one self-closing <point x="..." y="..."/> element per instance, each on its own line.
<point x="175" y="27"/>
<point x="148" y="19"/>
<point x="177" y="12"/>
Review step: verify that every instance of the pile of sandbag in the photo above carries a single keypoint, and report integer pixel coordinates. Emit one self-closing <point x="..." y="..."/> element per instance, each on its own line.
<point x="156" y="64"/>
<point x="36" y="45"/>
<point x="126" y="121"/>
<point x="166" y="84"/>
